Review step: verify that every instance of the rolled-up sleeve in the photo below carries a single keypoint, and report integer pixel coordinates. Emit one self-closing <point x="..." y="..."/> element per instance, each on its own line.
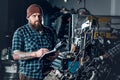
<point x="17" y="41"/>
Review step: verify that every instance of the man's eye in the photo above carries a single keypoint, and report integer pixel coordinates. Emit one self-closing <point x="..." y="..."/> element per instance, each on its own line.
<point x="34" y="15"/>
<point x="39" y="16"/>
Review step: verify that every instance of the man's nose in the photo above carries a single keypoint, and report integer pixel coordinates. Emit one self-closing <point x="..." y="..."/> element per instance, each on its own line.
<point x="37" y="18"/>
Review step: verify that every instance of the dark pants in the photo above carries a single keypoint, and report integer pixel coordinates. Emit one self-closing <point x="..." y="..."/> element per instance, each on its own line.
<point x="23" y="77"/>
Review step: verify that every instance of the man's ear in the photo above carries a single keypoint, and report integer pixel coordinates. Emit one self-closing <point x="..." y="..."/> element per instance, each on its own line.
<point x="27" y="18"/>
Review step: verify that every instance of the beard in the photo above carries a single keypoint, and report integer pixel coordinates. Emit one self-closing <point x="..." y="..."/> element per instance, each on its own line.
<point x="36" y="25"/>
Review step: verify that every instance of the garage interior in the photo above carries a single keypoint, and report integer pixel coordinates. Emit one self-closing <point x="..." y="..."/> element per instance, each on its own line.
<point x="89" y="28"/>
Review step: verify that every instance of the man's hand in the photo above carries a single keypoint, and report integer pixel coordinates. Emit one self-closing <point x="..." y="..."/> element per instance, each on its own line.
<point x="51" y="58"/>
<point x="41" y="52"/>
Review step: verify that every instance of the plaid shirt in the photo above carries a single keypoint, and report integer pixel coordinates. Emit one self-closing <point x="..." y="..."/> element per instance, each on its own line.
<point x="28" y="40"/>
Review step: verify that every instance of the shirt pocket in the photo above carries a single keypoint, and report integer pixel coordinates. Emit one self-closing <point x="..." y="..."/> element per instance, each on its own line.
<point x="31" y="43"/>
<point x="48" y="42"/>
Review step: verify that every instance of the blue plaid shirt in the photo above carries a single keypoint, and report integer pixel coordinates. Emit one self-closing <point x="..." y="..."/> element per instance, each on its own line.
<point x="26" y="39"/>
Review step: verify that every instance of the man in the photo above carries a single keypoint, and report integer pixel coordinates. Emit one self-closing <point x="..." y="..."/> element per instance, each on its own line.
<point x="30" y="42"/>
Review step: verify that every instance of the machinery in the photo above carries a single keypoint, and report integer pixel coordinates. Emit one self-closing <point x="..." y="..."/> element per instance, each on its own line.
<point x="90" y="41"/>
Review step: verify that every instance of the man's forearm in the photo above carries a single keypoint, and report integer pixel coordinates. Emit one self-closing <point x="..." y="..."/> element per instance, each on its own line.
<point x="18" y="55"/>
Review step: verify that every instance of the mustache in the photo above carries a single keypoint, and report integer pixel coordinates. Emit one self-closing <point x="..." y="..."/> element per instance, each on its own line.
<point x="37" y="21"/>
